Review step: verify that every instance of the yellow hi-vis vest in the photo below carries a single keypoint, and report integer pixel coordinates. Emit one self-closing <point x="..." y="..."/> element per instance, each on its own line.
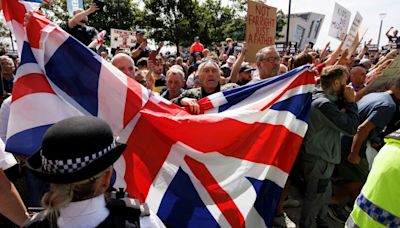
<point x="378" y="204"/>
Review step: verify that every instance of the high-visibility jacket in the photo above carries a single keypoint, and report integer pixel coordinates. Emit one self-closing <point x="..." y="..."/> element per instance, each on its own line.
<point x="378" y="204"/>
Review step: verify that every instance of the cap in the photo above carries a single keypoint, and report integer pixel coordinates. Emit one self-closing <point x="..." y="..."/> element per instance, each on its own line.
<point x="246" y="69"/>
<point x="140" y="32"/>
<point x="231" y="59"/>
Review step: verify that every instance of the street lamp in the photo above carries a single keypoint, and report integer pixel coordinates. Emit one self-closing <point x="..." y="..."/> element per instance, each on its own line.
<point x="381" y="16"/>
<point x="288" y="24"/>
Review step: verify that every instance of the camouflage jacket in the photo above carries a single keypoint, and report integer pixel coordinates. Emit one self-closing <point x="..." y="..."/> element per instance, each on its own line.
<point x="198" y="93"/>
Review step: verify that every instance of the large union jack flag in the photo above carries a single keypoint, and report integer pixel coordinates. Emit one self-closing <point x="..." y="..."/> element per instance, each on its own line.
<point x="225" y="167"/>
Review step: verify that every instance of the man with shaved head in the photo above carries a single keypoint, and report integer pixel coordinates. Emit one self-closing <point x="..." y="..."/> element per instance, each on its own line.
<point x="357" y="78"/>
<point x="125" y="64"/>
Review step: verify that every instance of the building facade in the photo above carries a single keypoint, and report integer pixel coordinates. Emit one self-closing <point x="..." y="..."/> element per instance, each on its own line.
<point x="304" y="28"/>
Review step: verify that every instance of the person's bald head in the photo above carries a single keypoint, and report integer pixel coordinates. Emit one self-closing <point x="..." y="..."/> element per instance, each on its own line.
<point x="125" y="64"/>
<point x="357" y="75"/>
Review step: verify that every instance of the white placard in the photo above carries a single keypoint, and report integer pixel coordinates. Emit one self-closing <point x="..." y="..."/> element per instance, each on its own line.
<point x="340" y="22"/>
<point x="354" y="29"/>
<point x="122" y="38"/>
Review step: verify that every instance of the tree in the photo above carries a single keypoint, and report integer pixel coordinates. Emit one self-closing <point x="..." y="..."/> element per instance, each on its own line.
<point x="215" y="18"/>
<point x="177" y="21"/>
<point x="5" y="36"/>
<point x="280" y="22"/>
<point x="120" y="14"/>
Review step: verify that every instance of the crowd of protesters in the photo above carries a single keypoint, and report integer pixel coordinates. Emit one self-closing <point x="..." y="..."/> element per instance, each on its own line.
<point x="347" y="126"/>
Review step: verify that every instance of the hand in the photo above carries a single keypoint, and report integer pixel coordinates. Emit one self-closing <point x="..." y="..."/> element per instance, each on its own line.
<point x="244" y="48"/>
<point x="191" y="105"/>
<point x="143" y="45"/>
<point x="93" y="8"/>
<point x="349" y="95"/>
<point x="353" y="159"/>
<point x="161" y="44"/>
<point x="327" y="45"/>
<point x="26" y="19"/>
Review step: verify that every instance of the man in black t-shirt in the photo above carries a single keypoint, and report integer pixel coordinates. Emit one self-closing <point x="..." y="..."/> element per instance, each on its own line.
<point x="78" y="28"/>
<point x="394" y="41"/>
<point x="140" y="49"/>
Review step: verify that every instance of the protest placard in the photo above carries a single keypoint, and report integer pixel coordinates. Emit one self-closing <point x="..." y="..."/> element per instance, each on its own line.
<point x="122" y="38"/>
<point x="373" y="48"/>
<point x="293" y="47"/>
<point x="340" y="22"/>
<point x="353" y="32"/>
<point x="280" y="48"/>
<point x="260" y="28"/>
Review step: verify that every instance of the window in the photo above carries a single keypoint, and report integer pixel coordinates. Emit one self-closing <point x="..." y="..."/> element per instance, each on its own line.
<point x="318" y="24"/>
<point x="299" y="34"/>
<point x="311" y="27"/>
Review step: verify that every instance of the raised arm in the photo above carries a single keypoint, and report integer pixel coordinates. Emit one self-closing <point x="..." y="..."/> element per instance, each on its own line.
<point x="82" y="15"/>
<point x="324" y="53"/>
<point x="234" y="77"/>
<point x="387" y="33"/>
<point x="332" y="59"/>
<point x="11" y="204"/>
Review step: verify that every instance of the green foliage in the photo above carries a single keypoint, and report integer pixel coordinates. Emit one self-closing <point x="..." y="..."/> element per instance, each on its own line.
<point x="120" y="14"/>
<point x="177" y="21"/>
<point x="4" y="34"/>
<point x="280" y="22"/>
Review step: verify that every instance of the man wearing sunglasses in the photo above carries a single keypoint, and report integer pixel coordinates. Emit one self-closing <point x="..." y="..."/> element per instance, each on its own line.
<point x="268" y="63"/>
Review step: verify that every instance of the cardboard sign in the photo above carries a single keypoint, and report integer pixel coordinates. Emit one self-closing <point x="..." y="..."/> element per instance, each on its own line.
<point x="353" y="32"/>
<point x="390" y="73"/>
<point x="373" y="48"/>
<point x="260" y="28"/>
<point x="292" y="47"/>
<point x="340" y="22"/>
<point x="280" y="48"/>
<point x="122" y="39"/>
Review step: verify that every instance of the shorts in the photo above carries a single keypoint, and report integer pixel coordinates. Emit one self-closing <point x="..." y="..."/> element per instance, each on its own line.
<point x="353" y="173"/>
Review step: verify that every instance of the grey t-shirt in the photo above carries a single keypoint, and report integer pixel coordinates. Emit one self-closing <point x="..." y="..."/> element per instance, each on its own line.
<point x="379" y="109"/>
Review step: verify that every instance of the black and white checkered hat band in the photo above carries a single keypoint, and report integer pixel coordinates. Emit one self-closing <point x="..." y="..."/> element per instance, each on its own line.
<point x="73" y="165"/>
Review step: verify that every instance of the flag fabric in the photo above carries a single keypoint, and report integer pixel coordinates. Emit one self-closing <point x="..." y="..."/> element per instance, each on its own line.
<point x="14" y="12"/>
<point x="38" y="1"/>
<point x="225" y="167"/>
<point x="100" y="38"/>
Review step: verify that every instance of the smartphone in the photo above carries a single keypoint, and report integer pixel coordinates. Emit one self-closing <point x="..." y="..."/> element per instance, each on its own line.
<point x="152" y="57"/>
<point x="100" y="4"/>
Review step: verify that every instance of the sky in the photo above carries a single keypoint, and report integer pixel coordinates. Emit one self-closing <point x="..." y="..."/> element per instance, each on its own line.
<point x="369" y="10"/>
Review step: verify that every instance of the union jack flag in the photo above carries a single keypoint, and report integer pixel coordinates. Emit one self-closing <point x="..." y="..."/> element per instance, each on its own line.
<point x="226" y="167"/>
<point x="38" y="1"/>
